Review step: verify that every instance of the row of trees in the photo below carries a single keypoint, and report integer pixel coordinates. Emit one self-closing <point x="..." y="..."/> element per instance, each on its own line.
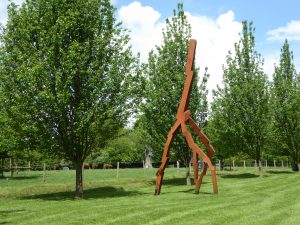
<point x="252" y="115"/>
<point x="69" y="83"/>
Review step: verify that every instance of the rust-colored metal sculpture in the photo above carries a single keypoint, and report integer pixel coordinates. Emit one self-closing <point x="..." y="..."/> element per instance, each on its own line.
<point x="183" y="116"/>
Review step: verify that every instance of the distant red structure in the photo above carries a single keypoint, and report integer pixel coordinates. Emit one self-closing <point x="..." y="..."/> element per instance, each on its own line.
<point x="183" y="116"/>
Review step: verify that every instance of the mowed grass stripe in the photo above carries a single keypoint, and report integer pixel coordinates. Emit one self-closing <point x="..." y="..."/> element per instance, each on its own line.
<point x="242" y="200"/>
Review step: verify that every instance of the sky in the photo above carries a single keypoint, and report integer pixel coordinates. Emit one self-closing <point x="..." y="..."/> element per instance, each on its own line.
<point x="216" y="25"/>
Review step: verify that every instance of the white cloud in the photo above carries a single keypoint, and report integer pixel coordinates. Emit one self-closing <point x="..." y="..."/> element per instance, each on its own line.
<point x="214" y="37"/>
<point x="145" y="27"/>
<point x="269" y="63"/>
<point x="291" y="32"/>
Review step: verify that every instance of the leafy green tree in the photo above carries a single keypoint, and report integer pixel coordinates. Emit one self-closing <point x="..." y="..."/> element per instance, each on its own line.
<point x="128" y="146"/>
<point x="241" y="107"/>
<point x="286" y="104"/>
<point x="165" y="75"/>
<point x="66" y="67"/>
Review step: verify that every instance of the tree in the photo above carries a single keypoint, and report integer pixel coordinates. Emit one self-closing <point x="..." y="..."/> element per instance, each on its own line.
<point x="286" y="104"/>
<point x="65" y="69"/>
<point x="165" y="73"/>
<point x="128" y="147"/>
<point x="241" y="107"/>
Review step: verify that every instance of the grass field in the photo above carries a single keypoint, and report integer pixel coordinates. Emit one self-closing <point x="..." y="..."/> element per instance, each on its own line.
<point x="244" y="198"/>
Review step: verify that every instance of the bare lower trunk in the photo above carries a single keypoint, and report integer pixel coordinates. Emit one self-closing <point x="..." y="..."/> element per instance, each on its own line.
<point x="2" y="168"/>
<point x="79" y="183"/>
<point x="260" y="169"/>
<point x="188" y="175"/>
<point x="11" y="167"/>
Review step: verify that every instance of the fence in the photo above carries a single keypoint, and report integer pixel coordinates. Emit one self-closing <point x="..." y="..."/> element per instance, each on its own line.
<point x="247" y="164"/>
<point x="14" y="167"/>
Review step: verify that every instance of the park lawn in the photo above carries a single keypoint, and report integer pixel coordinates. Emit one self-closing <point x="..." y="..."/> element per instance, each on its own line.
<point x="244" y="198"/>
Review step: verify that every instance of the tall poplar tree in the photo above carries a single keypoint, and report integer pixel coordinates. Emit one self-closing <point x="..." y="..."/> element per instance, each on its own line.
<point x="165" y="75"/>
<point x="241" y="107"/>
<point x="65" y="72"/>
<point x="286" y="105"/>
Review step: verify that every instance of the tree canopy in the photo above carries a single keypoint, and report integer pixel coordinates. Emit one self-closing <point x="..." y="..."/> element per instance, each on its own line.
<point x="241" y="107"/>
<point x="286" y="106"/>
<point x="65" y="73"/>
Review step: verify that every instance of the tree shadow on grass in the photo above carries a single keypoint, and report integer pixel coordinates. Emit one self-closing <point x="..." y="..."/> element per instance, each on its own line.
<point x="92" y="193"/>
<point x="279" y="172"/>
<point x="240" y="176"/>
<point x="23" y="178"/>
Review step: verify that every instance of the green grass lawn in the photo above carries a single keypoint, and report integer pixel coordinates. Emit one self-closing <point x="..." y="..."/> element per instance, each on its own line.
<point x="244" y="198"/>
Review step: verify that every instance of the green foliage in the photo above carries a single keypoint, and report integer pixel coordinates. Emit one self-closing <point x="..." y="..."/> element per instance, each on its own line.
<point x="286" y="106"/>
<point x="165" y="74"/>
<point x="240" y="111"/>
<point x="128" y="146"/>
<point x="65" y="70"/>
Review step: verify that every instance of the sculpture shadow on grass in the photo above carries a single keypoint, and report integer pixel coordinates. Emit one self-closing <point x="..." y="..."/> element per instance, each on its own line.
<point x="240" y="175"/>
<point x="92" y="193"/>
<point x="175" y="181"/>
<point x="192" y="191"/>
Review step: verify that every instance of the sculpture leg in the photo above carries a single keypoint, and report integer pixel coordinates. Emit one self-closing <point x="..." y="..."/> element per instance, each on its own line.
<point x="196" y="174"/>
<point x="203" y="138"/>
<point x="203" y="173"/>
<point x="205" y="158"/>
<point x="165" y="157"/>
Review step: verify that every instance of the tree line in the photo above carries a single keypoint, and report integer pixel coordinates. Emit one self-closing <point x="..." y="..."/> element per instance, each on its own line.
<point x="70" y="85"/>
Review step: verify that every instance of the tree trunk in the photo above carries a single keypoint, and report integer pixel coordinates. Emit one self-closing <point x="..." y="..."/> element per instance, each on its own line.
<point x="79" y="183"/>
<point x="2" y="168"/>
<point x="260" y="169"/>
<point x="188" y="175"/>
<point x="11" y="167"/>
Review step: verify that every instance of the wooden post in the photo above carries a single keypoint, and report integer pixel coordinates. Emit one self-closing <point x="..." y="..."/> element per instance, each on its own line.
<point x="282" y="164"/>
<point x="219" y="165"/>
<point x="299" y="167"/>
<point x="44" y="173"/>
<point x="29" y="165"/>
<point x="274" y="163"/>
<point x="233" y="164"/>
<point x="118" y="167"/>
<point x="244" y="164"/>
<point x="266" y="164"/>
